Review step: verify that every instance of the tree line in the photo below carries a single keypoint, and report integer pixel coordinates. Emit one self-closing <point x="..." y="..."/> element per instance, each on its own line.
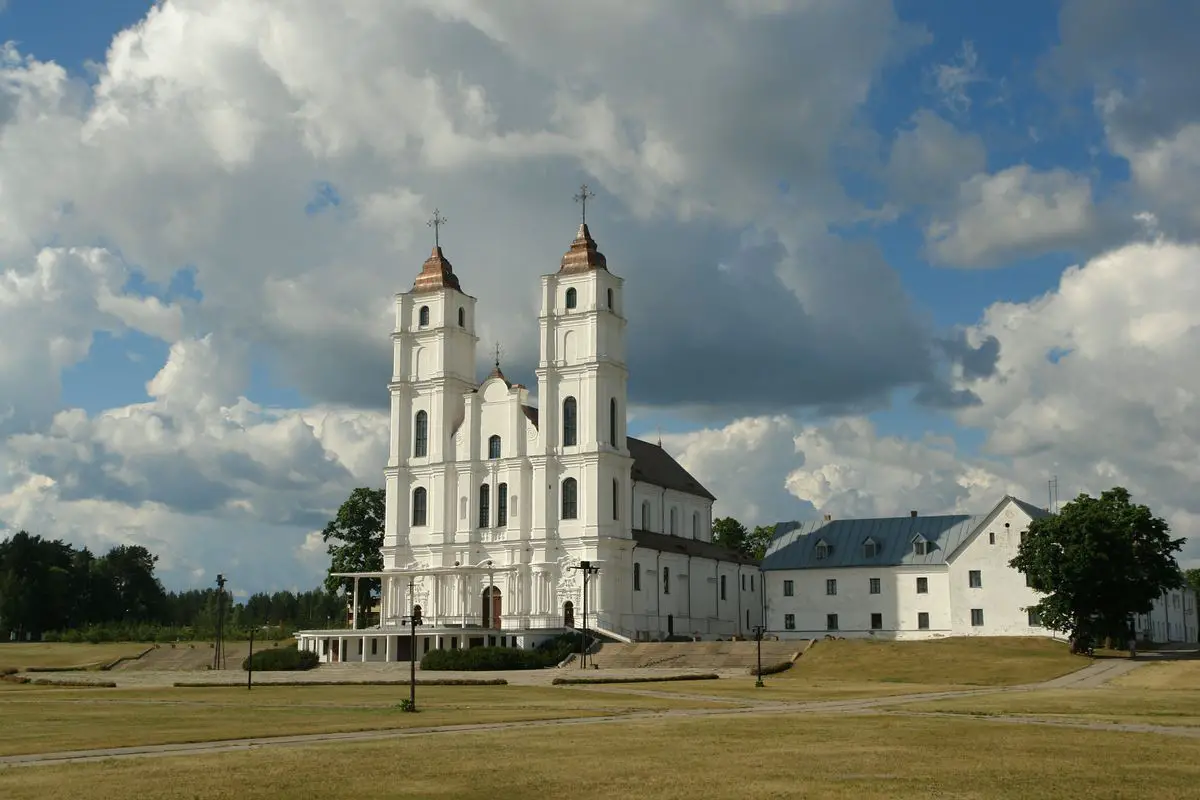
<point x="50" y="590"/>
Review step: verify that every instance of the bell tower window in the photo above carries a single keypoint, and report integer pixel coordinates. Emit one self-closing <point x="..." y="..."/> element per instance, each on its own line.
<point x="570" y="499"/>
<point x="502" y="505"/>
<point x="494" y="446"/>
<point x="423" y="317"/>
<point x="462" y="318"/>
<point x="418" y="506"/>
<point x="610" y="299"/>
<point x="572" y="298"/>
<point x="421" y="435"/>
<point x="612" y="422"/>
<point x="570" y="422"/>
<point x="485" y="505"/>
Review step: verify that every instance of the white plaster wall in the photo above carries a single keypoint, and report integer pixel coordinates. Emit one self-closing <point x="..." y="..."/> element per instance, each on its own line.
<point x="1173" y="618"/>
<point x="1004" y="597"/>
<point x="694" y="604"/>
<point x="898" y="602"/>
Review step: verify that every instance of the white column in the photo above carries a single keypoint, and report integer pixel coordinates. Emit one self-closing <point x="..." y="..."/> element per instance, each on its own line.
<point x="462" y="598"/>
<point x="387" y="648"/>
<point x="363" y="647"/>
<point x="354" y="607"/>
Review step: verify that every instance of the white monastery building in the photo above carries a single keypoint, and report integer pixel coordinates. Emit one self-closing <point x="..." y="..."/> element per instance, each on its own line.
<point x="494" y="504"/>
<point x="920" y="577"/>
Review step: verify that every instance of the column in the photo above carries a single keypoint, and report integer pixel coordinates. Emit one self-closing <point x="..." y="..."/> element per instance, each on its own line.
<point x="387" y="648"/>
<point x="362" y="646"/>
<point x="354" y="607"/>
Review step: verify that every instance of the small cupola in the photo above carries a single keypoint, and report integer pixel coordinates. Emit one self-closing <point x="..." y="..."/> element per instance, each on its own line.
<point x="584" y="255"/>
<point x="437" y="272"/>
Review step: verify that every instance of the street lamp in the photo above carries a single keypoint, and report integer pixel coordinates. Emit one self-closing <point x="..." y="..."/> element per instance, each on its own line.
<point x="759" y="630"/>
<point x="412" y="621"/>
<point x="587" y="568"/>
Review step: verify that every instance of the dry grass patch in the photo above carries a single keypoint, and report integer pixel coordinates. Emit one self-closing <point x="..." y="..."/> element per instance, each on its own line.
<point x="1163" y="675"/>
<point x="64" y="655"/>
<point x="1108" y="704"/>
<point x="61" y="719"/>
<point x="864" y="758"/>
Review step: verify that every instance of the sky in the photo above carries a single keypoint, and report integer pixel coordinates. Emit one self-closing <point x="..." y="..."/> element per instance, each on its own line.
<point x="879" y="257"/>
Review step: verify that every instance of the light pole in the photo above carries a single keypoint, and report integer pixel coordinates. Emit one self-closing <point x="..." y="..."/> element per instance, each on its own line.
<point x="587" y="568"/>
<point x="219" y="644"/>
<point x="413" y="620"/>
<point x="759" y="630"/>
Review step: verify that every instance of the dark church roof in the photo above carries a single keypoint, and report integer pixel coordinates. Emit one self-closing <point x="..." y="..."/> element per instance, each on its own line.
<point x="651" y="464"/>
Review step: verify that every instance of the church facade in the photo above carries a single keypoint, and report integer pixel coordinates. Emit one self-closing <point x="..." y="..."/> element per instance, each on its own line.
<point x="498" y="511"/>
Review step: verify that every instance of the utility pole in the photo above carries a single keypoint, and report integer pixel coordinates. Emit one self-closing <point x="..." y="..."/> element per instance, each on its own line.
<point x="219" y="644"/>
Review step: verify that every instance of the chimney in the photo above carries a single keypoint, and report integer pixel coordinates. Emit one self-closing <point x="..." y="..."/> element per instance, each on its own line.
<point x="829" y="517"/>
<point x="912" y="514"/>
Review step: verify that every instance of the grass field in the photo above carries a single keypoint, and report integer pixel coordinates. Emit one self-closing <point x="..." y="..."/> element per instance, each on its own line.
<point x="40" y="720"/>
<point x="839" y="758"/>
<point x="61" y="655"/>
<point x="858" y="668"/>
<point x="1167" y="693"/>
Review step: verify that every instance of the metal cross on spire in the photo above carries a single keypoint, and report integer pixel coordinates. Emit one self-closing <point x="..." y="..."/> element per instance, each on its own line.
<point x="436" y="223"/>
<point x="497" y="355"/>
<point x="582" y="198"/>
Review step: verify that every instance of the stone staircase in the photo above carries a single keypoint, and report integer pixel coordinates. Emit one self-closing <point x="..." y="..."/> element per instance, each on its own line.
<point x="693" y="655"/>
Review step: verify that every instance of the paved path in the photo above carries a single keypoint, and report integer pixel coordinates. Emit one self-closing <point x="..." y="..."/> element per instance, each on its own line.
<point x="1093" y="675"/>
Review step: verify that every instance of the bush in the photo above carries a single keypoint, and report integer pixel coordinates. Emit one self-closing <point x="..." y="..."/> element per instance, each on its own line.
<point x="280" y="659"/>
<point x="547" y="654"/>
<point x="646" y="679"/>
<point x="772" y="669"/>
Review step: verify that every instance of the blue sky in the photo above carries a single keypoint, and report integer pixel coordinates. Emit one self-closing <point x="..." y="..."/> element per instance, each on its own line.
<point x="265" y="178"/>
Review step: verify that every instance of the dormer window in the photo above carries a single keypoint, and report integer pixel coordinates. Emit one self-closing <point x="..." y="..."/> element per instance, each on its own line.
<point x="572" y="298"/>
<point x="921" y="546"/>
<point x="823" y="550"/>
<point x="423" y="317"/>
<point x="870" y="548"/>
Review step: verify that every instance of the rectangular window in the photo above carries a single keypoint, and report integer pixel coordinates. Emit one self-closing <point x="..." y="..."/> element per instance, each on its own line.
<point x="485" y="505"/>
<point x="991" y="537"/>
<point x="875" y="587"/>
<point x="722" y="587"/>
<point x="789" y="589"/>
<point x="922" y="585"/>
<point x="789" y="622"/>
<point x="1034" y="620"/>
<point x="831" y="622"/>
<point x="976" y="617"/>
<point x="752" y="583"/>
<point x="923" y="620"/>
<point x="502" y="505"/>
<point x="831" y="586"/>
<point x="877" y="622"/>
<point x="666" y="580"/>
<point x="374" y="647"/>
<point x="743" y="583"/>
<point x="637" y="577"/>
<point x="975" y="579"/>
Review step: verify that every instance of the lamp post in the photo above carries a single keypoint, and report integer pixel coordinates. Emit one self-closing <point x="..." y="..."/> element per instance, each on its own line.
<point x="759" y="630"/>
<point x="413" y="620"/>
<point x="587" y="568"/>
<point x="219" y="644"/>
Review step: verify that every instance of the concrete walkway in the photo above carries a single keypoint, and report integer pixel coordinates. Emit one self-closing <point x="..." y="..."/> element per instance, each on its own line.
<point x="1094" y="675"/>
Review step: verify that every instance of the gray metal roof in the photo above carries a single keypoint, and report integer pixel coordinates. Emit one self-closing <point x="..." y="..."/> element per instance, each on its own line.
<point x="795" y="543"/>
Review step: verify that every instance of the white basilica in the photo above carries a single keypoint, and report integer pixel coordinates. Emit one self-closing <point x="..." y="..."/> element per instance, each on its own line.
<point x="493" y="504"/>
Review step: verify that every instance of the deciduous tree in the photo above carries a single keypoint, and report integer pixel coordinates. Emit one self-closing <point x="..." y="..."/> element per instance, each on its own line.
<point x="356" y="536"/>
<point x="1098" y="562"/>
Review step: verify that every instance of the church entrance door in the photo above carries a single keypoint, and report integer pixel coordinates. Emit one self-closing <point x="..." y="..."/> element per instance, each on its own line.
<point x="568" y="614"/>
<point x="491" y="607"/>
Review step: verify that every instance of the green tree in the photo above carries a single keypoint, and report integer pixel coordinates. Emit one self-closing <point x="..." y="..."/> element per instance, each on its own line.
<point x="729" y="533"/>
<point x="758" y="539"/>
<point x="357" y="536"/>
<point x="1192" y="577"/>
<point x="1098" y="562"/>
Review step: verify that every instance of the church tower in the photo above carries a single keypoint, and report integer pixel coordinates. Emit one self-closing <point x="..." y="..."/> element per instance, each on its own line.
<point x="582" y="388"/>
<point x="434" y="367"/>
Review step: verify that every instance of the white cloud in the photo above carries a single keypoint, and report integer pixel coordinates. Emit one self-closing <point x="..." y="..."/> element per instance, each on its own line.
<point x="1011" y="213"/>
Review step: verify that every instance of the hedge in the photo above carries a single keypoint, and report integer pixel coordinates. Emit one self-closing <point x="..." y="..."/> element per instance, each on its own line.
<point x="420" y="682"/>
<point x="279" y="659"/>
<point x="647" y="679"/>
<point x="547" y="654"/>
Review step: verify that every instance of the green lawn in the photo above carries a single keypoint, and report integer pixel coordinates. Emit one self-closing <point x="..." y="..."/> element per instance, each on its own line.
<point x="61" y="655"/>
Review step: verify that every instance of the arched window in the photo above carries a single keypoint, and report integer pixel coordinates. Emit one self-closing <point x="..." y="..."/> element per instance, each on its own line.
<point x="570" y="499"/>
<point x="616" y="499"/>
<point x="418" y="509"/>
<point x="637" y="577"/>
<point x="502" y="505"/>
<point x="695" y="524"/>
<point x="645" y="515"/>
<point x="493" y="446"/>
<point x="570" y="422"/>
<point x="674" y="530"/>
<point x="612" y="422"/>
<point x="572" y="298"/>
<point x="485" y="505"/>
<point x="610" y="299"/>
<point x="666" y="580"/>
<point x="423" y="316"/>
<point x="462" y="318"/>
<point x="421" y="435"/>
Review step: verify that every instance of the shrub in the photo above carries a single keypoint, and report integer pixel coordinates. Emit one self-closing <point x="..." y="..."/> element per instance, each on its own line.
<point x="772" y="669"/>
<point x="281" y="659"/>
<point x="547" y="654"/>
<point x="646" y="679"/>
